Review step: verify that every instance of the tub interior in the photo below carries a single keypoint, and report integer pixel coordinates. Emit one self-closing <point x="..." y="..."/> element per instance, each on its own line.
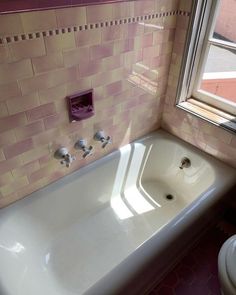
<point x="72" y="233"/>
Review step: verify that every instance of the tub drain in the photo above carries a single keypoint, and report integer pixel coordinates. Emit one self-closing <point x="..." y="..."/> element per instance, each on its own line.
<point x="169" y="197"/>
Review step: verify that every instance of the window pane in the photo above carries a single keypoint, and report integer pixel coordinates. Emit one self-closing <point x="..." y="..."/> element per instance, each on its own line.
<point x="226" y="21"/>
<point x="219" y="75"/>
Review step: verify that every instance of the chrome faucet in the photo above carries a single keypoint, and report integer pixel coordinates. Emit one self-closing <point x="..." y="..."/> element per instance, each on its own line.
<point x="185" y="163"/>
<point x="82" y="145"/>
<point x="100" y="136"/>
<point x="65" y="157"/>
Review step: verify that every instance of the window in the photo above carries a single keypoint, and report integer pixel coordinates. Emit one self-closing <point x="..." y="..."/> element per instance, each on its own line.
<point x="207" y="84"/>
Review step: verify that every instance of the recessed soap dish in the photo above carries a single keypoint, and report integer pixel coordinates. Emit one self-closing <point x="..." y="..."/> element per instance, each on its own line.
<point x="80" y="105"/>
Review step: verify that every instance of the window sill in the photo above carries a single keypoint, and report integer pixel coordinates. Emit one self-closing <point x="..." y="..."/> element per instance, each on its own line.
<point x="210" y="114"/>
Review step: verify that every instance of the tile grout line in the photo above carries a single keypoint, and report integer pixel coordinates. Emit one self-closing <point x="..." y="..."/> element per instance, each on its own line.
<point x="85" y="27"/>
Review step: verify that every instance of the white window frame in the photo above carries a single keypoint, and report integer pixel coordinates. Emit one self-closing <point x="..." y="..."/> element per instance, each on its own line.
<point x="199" y="39"/>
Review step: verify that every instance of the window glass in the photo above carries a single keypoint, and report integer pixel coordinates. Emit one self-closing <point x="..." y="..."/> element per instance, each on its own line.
<point x="226" y="21"/>
<point x="219" y="75"/>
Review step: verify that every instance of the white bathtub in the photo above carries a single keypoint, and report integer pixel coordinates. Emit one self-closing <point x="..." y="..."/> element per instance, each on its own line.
<point x="92" y="231"/>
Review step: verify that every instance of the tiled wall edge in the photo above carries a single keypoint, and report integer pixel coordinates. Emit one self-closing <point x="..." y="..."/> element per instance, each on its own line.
<point x="59" y="31"/>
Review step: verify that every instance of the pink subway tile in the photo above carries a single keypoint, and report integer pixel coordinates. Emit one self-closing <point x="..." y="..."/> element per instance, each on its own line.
<point x="98" y="93"/>
<point x="48" y="62"/>
<point x="90" y="68"/>
<point x="11" y="24"/>
<point x="4" y="53"/>
<point x="122" y="10"/>
<point x="45" y="138"/>
<point x="135" y="29"/>
<point x="112" y="33"/>
<point x="104" y="108"/>
<point x="11" y="122"/>
<point x="113" y="88"/>
<point x="165" y="48"/>
<point x="88" y="38"/>
<point x="10" y="164"/>
<point x="18" y="148"/>
<point x="40" y="112"/>
<point x="3" y="109"/>
<point x="216" y="132"/>
<point x="158" y="37"/>
<point x="9" y="90"/>
<point x="29" y="130"/>
<point x="30" y="188"/>
<point x="101" y="79"/>
<point x="35" y="153"/>
<point x="35" y="21"/>
<point x="233" y="142"/>
<point x="44" y="160"/>
<point x="78" y="85"/>
<point x="26" y="169"/>
<point x="42" y="173"/>
<point x="27" y="49"/>
<point x="147" y="40"/>
<point x="185" y="6"/>
<point x="107" y="77"/>
<point x="24" y="103"/>
<point x="60" y="42"/>
<point x="122" y="46"/>
<point x="56" y="120"/>
<point x="7" y="200"/>
<point x="9" y="72"/>
<point x="7" y="138"/>
<point x="55" y="175"/>
<point x="132" y="57"/>
<point x="144" y="7"/>
<point x="150" y="52"/>
<point x="122" y="97"/>
<point x="96" y="13"/>
<point x="182" y="22"/>
<point x="171" y="35"/>
<point x="101" y="51"/>
<point x="2" y="156"/>
<point x="52" y="94"/>
<point x="178" y="48"/>
<point x="68" y="17"/>
<point x="6" y="178"/>
<point x="12" y="187"/>
<point x="112" y="62"/>
<point x="48" y="80"/>
<point x="73" y="57"/>
<point x="61" y="107"/>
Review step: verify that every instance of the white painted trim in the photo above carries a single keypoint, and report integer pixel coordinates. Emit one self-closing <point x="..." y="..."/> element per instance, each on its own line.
<point x="219" y="75"/>
<point x="221" y="43"/>
<point x="198" y="44"/>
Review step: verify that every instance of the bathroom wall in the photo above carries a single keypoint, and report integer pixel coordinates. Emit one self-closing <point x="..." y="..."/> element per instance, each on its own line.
<point x="121" y="50"/>
<point x="208" y="137"/>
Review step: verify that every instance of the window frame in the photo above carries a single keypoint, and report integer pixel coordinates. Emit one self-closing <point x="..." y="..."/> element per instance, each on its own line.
<point x="199" y="40"/>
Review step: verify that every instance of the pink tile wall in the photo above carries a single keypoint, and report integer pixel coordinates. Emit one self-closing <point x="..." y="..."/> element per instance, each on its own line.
<point x="212" y="139"/>
<point x="127" y="66"/>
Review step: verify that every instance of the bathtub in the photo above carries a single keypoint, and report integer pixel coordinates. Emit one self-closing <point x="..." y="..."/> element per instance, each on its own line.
<point x="93" y="231"/>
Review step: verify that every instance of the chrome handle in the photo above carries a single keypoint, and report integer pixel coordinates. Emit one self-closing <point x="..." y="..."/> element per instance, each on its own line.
<point x="100" y="136"/>
<point x="65" y="157"/>
<point x="81" y="145"/>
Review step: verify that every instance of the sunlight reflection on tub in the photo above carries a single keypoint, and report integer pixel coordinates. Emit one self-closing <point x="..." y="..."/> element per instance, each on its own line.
<point x="15" y="249"/>
<point x="127" y="200"/>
